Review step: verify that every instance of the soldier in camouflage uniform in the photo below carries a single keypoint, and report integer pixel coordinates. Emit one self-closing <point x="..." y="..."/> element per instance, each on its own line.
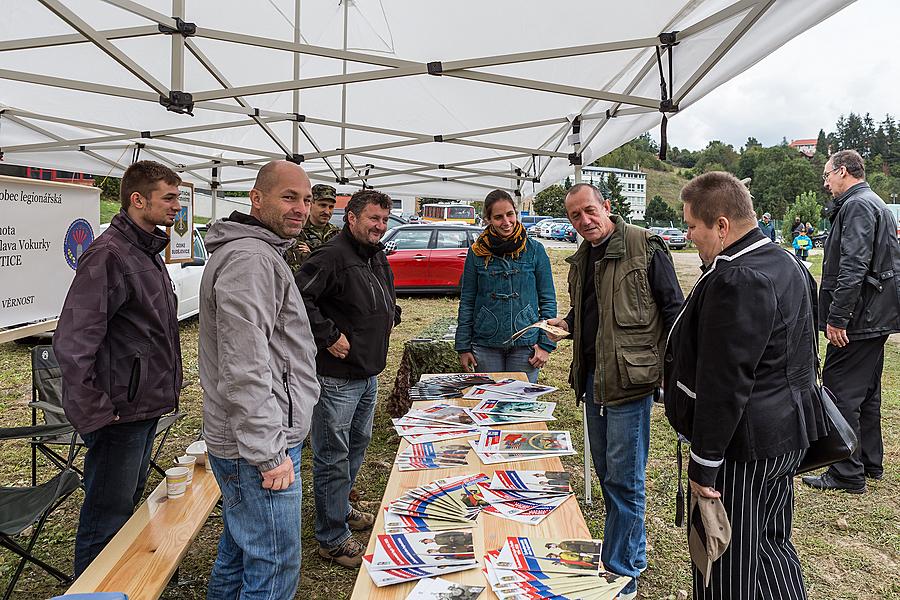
<point x="317" y="230"/>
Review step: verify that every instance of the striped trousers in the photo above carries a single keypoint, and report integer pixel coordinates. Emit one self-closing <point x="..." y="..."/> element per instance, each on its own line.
<point x="761" y="562"/>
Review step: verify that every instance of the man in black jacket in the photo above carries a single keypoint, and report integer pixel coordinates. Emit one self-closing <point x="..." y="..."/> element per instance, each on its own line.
<point x="119" y="353"/>
<point x="739" y="385"/>
<point x="859" y="306"/>
<point x="348" y="288"/>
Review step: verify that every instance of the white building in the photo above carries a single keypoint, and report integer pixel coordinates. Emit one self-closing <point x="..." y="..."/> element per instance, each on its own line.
<point x="634" y="186"/>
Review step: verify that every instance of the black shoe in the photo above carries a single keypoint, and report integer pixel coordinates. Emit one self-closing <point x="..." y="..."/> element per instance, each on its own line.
<point x="827" y="482"/>
<point x="876" y="476"/>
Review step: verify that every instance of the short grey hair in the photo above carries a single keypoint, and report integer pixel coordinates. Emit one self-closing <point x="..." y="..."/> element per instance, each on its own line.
<point x="850" y="160"/>
<point x="598" y="196"/>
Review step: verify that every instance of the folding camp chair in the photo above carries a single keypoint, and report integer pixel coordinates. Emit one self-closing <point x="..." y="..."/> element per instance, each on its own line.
<point x="24" y="507"/>
<point x="46" y="398"/>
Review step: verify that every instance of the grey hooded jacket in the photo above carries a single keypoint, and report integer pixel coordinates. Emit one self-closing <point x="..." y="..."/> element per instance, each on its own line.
<point x="257" y="355"/>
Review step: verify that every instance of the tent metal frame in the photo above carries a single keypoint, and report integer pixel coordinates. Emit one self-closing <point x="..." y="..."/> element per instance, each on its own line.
<point x="520" y="164"/>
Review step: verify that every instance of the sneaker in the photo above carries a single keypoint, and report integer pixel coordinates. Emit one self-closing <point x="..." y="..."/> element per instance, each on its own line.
<point x="349" y="554"/>
<point x="358" y="520"/>
<point x="629" y="592"/>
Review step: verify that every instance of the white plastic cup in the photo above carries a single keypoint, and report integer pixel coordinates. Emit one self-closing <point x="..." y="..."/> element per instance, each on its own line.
<point x="187" y="461"/>
<point x="176" y="482"/>
<point x="198" y="449"/>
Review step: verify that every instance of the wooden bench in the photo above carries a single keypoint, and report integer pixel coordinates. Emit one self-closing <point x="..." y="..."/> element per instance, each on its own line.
<point x="566" y="522"/>
<point x="141" y="559"/>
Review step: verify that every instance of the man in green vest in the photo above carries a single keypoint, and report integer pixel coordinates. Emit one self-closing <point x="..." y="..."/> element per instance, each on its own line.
<point x="318" y="228"/>
<point x="625" y="298"/>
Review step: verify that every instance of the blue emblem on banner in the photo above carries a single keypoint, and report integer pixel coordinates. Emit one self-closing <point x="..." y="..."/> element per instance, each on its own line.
<point x="78" y="237"/>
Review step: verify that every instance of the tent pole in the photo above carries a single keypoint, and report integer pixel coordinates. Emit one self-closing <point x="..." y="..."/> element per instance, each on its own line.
<point x="177" y="80"/>
<point x="576" y="131"/>
<point x="295" y="130"/>
<point x="344" y="92"/>
<point x="214" y="193"/>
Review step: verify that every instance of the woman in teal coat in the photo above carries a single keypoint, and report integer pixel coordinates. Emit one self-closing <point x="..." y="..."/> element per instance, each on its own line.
<point x="507" y="285"/>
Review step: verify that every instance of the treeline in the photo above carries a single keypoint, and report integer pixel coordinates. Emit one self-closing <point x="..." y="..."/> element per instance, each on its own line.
<point x="784" y="182"/>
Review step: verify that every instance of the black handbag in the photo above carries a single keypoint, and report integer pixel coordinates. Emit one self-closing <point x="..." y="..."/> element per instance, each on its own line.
<point x="840" y="441"/>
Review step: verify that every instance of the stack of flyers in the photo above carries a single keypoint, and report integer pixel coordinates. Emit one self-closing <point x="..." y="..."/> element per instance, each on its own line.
<point x="434" y="423"/>
<point x="496" y="446"/>
<point x="441" y="589"/>
<point x="442" y="387"/>
<point x="489" y="413"/>
<point x="532" y="481"/>
<point x="385" y="577"/>
<point x="432" y="455"/>
<point x="526" y="496"/>
<point x="517" y="584"/>
<point x="423" y="549"/>
<point x="509" y="389"/>
<point x="449" y="500"/>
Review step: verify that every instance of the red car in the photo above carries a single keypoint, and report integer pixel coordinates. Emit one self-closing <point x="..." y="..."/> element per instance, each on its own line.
<point x="428" y="258"/>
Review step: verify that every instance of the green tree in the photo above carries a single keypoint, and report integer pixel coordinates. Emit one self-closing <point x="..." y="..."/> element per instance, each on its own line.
<point x="806" y="206"/>
<point x="618" y="202"/>
<point x="717" y="156"/>
<point x="551" y="201"/>
<point x="659" y="213"/>
<point x="109" y="188"/>
<point x="568" y="183"/>
<point x="822" y="143"/>
<point x="777" y="184"/>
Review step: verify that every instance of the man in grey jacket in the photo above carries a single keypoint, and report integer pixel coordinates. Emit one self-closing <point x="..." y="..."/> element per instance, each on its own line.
<point x="258" y="371"/>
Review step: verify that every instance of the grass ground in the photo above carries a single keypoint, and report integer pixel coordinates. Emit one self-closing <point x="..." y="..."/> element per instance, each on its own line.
<point x="849" y="545"/>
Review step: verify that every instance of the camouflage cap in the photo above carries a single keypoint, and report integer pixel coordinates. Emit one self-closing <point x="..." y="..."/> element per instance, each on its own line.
<point x="321" y="191"/>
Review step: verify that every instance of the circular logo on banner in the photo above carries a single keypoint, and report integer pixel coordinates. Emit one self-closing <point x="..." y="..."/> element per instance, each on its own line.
<point x="78" y="237"/>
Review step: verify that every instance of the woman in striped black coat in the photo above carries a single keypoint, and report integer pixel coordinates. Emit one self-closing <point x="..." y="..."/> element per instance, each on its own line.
<point x="739" y="370"/>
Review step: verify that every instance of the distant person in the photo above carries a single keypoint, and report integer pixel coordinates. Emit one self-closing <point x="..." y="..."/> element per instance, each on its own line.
<point x="746" y="404"/>
<point x="624" y="297"/>
<point x="506" y="285"/>
<point x="318" y="228"/>
<point x="859" y="307"/>
<point x="802" y="244"/>
<point x="809" y="229"/>
<point x="119" y="353"/>
<point x="348" y="288"/>
<point x="767" y="227"/>
<point x="797" y="227"/>
<point x="257" y="370"/>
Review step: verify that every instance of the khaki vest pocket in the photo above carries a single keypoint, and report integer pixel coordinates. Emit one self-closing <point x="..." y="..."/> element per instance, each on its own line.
<point x="638" y="366"/>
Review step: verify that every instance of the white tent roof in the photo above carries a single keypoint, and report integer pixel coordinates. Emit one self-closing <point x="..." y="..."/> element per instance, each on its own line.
<point x="409" y="96"/>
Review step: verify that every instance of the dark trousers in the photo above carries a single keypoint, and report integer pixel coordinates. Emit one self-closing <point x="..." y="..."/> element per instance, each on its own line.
<point x="761" y="562"/>
<point x="853" y="373"/>
<point x="115" y="473"/>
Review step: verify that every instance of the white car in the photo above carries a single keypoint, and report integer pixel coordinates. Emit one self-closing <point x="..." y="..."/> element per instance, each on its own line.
<point x="544" y="227"/>
<point x="186" y="277"/>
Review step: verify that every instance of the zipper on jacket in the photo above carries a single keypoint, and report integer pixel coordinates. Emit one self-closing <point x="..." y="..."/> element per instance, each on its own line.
<point x="287" y="390"/>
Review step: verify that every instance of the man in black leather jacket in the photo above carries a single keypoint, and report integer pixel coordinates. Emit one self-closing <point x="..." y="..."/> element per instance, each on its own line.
<point x="859" y="306"/>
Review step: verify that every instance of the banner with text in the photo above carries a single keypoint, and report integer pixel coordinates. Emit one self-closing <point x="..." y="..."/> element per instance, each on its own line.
<point x="181" y="234"/>
<point x="45" y="227"/>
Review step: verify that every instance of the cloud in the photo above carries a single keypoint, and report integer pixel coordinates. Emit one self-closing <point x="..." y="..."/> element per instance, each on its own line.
<point x="845" y="64"/>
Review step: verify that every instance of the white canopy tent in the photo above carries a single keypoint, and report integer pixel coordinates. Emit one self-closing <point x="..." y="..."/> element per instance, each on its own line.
<point x="411" y="97"/>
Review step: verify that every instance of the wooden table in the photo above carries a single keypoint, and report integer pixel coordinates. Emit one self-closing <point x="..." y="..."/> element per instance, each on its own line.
<point x="490" y="532"/>
<point x="142" y="557"/>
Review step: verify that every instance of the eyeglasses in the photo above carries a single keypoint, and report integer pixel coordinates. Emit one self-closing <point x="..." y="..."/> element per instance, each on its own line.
<point x="827" y="173"/>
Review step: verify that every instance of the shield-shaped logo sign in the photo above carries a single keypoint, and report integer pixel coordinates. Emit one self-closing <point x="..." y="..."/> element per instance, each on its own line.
<point x="181" y="221"/>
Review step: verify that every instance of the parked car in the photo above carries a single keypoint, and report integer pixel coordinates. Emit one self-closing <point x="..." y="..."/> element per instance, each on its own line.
<point x="545" y="226"/>
<point x="818" y="239"/>
<point x="674" y="238"/>
<point x="337" y="219"/>
<point x="559" y="231"/>
<point x="429" y="257"/>
<point x="529" y="220"/>
<point x="186" y="276"/>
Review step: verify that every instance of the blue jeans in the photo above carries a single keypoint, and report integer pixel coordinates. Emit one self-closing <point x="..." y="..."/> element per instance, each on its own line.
<point x="115" y="473"/>
<point x="259" y="551"/>
<point x="620" y="442"/>
<point x="513" y="359"/>
<point x="340" y="434"/>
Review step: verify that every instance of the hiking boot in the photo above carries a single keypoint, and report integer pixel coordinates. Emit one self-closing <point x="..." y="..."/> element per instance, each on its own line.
<point x="358" y="520"/>
<point x="349" y="554"/>
<point x="355" y="495"/>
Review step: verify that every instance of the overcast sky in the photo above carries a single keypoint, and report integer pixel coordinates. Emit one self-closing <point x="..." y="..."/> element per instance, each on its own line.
<point x="848" y="63"/>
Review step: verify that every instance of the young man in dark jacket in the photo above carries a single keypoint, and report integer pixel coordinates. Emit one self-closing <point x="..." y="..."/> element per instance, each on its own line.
<point x="119" y="352"/>
<point x="859" y="307"/>
<point x="348" y="288"/>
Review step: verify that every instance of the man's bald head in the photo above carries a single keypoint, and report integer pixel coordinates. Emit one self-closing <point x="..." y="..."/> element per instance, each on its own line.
<point x="280" y="197"/>
<point x="268" y="175"/>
